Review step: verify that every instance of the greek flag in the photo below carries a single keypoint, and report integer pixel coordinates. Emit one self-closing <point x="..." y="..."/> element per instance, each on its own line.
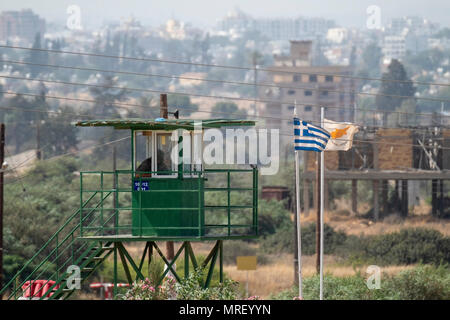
<point x="309" y="137"/>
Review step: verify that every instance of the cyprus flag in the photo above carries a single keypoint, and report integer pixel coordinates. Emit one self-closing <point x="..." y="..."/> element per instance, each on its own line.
<point x="341" y="135"/>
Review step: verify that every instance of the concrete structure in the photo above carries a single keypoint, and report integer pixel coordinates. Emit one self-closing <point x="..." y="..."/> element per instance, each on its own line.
<point x="22" y="24"/>
<point x="394" y="47"/>
<point x="400" y="155"/>
<point x="277" y="28"/>
<point x="310" y="85"/>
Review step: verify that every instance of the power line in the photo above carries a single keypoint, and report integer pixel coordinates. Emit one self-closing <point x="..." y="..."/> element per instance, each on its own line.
<point x="72" y="152"/>
<point x="270" y="85"/>
<point x="190" y="94"/>
<point x="126" y="105"/>
<point x="273" y="70"/>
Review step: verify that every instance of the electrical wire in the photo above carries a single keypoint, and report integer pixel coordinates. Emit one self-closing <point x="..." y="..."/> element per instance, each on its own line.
<point x="194" y="95"/>
<point x="219" y="81"/>
<point x="273" y="69"/>
<point x="73" y="153"/>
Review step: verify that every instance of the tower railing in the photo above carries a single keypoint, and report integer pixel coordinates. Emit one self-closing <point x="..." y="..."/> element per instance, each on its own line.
<point x="222" y="209"/>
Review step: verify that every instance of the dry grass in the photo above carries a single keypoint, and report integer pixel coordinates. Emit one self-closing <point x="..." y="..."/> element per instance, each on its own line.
<point x="278" y="276"/>
<point x="356" y="225"/>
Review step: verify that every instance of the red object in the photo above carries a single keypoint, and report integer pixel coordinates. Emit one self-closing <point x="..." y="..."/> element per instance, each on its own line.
<point x="38" y="289"/>
<point x="108" y="286"/>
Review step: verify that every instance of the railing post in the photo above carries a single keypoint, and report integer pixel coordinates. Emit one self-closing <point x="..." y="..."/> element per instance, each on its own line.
<point x="81" y="204"/>
<point x="199" y="205"/>
<point x="229" y="202"/>
<point x="101" y="204"/>
<point x="255" y="201"/>
<point x="116" y="202"/>
<point x="57" y="255"/>
<point x="140" y="205"/>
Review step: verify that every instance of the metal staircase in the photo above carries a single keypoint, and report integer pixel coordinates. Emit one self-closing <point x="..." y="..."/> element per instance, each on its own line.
<point x="53" y="259"/>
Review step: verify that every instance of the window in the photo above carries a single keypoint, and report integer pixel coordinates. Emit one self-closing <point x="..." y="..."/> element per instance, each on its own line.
<point x="143" y="151"/>
<point x="324" y="93"/>
<point x="308" y="93"/>
<point x="297" y="78"/>
<point x="163" y="154"/>
<point x="291" y="107"/>
<point x="312" y="78"/>
<point x="328" y="78"/>
<point x="291" y="92"/>
<point x="308" y="108"/>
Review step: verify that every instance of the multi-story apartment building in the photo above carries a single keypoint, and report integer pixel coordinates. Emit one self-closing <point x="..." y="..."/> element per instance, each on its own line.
<point x="276" y="28"/>
<point x="22" y="24"/>
<point x="311" y="86"/>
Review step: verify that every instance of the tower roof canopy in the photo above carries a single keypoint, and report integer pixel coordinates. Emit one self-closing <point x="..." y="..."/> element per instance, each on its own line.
<point x="163" y="124"/>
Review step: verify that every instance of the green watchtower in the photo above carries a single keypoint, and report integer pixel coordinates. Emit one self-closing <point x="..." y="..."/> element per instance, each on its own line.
<point x="161" y="199"/>
<point x="156" y="199"/>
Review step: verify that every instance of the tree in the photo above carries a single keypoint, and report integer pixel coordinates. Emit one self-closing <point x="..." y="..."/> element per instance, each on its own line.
<point x="401" y="87"/>
<point x="371" y="57"/>
<point x="228" y="109"/>
<point x="37" y="56"/>
<point x="106" y="96"/>
<point x="58" y="134"/>
<point x="182" y="103"/>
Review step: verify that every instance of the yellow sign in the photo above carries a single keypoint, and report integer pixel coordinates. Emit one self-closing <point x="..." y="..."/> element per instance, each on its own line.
<point x="246" y="262"/>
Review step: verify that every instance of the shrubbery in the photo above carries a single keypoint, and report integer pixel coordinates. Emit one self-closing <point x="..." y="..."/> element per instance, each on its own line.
<point x="408" y="246"/>
<point x="420" y="283"/>
<point x="283" y="240"/>
<point x="190" y="288"/>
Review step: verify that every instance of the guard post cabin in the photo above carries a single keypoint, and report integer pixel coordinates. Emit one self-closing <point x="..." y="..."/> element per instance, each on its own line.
<point x="167" y="199"/>
<point x="153" y="200"/>
<point x="159" y="200"/>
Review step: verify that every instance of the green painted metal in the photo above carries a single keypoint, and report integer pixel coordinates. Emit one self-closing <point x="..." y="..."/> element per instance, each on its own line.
<point x="168" y="124"/>
<point x="169" y="209"/>
<point x="215" y="252"/>
<point x="173" y="209"/>
<point x="172" y="213"/>
<point x="130" y="259"/>
<point x="62" y="243"/>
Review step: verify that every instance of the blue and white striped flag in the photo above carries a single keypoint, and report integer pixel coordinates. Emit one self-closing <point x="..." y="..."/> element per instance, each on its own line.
<point x="309" y="137"/>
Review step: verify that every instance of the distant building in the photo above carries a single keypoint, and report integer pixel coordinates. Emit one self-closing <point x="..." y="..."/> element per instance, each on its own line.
<point x="277" y="28"/>
<point x="310" y="85"/>
<point x="337" y="35"/>
<point x="394" y="47"/>
<point x="22" y="24"/>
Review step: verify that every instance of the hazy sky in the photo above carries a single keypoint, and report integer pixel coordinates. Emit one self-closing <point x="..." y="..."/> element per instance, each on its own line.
<point x="207" y="12"/>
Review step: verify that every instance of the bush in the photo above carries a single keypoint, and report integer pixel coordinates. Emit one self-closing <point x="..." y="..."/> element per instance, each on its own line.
<point x="232" y="249"/>
<point x="408" y="246"/>
<point x="420" y="283"/>
<point x="283" y="240"/>
<point x="190" y="288"/>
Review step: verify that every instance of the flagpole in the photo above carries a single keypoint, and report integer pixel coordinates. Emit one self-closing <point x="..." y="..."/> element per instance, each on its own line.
<point x="299" y="238"/>
<point x="321" y="207"/>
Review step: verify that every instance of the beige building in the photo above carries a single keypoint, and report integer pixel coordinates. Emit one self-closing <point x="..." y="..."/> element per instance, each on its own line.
<point x="311" y="86"/>
<point x="22" y="24"/>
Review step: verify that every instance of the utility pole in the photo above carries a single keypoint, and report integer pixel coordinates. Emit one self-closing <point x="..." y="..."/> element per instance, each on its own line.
<point x="164" y="113"/>
<point x="318" y="188"/>
<point x="114" y="151"/>
<point x="38" y="140"/>
<point x="2" y="160"/>
<point x="255" y="79"/>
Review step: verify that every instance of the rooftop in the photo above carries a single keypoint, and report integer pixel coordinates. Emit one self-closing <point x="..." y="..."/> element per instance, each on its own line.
<point x="166" y="124"/>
